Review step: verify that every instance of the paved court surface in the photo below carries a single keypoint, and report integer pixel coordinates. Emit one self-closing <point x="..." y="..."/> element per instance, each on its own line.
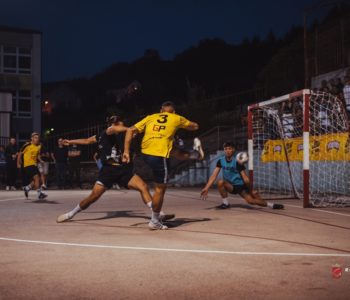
<point x="107" y="252"/>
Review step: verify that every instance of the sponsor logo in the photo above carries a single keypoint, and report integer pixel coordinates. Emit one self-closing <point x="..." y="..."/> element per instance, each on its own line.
<point x="300" y="148"/>
<point x="277" y="148"/>
<point x="316" y="147"/>
<point x="158" y="127"/>
<point x="336" y="271"/>
<point x="333" y="145"/>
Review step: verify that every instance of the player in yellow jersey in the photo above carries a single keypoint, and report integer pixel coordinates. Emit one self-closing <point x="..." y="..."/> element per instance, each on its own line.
<point x="30" y="156"/>
<point x="157" y="144"/>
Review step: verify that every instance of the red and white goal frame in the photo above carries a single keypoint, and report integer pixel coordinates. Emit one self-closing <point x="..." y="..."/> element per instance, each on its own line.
<point x="280" y="134"/>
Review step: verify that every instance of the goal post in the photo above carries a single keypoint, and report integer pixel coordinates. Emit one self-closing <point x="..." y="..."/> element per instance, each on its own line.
<point x="299" y="147"/>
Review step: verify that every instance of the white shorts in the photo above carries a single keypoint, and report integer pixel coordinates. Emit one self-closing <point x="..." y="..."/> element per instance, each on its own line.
<point x="43" y="168"/>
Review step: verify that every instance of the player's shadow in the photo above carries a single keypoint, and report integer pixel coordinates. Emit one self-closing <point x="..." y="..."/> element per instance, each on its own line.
<point x="43" y="202"/>
<point x="245" y="206"/>
<point x="183" y="221"/>
<point x="114" y="214"/>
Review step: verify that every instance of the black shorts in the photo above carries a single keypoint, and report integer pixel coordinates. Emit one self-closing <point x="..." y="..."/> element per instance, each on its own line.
<point x="110" y="175"/>
<point x="159" y="166"/>
<point x="237" y="189"/>
<point x="29" y="173"/>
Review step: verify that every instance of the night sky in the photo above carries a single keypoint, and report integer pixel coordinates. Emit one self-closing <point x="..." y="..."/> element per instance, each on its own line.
<point x="81" y="38"/>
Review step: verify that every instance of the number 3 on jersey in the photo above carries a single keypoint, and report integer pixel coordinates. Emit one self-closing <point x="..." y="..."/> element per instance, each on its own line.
<point x="164" y="119"/>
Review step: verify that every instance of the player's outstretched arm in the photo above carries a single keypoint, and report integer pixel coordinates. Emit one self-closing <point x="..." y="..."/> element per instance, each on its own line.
<point x="115" y="129"/>
<point x="193" y="126"/>
<point x="88" y="141"/>
<point x="19" y="160"/>
<point x="245" y="178"/>
<point x="130" y="132"/>
<point x="212" y="178"/>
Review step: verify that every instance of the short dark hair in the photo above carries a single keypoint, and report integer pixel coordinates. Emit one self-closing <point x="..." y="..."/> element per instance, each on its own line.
<point x="112" y="120"/>
<point x="229" y="144"/>
<point x="168" y="103"/>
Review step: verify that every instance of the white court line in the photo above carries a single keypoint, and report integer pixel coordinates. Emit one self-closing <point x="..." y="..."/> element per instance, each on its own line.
<point x="12" y="199"/>
<point x="320" y="210"/>
<point x="176" y="250"/>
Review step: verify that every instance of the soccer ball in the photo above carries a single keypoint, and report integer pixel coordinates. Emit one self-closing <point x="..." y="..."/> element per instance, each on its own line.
<point x="242" y="157"/>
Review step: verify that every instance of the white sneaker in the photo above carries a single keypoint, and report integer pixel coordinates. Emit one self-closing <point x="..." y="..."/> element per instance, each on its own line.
<point x="156" y="226"/>
<point x="63" y="218"/>
<point x="43" y="187"/>
<point x="7" y="188"/>
<point x="13" y="188"/>
<point x="197" y="146"/>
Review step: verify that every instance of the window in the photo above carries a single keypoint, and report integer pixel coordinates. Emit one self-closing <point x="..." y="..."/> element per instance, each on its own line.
<point x="10" y="64"/>
<point x="22" y="103"/>
<point x="23" y="137"/>
<point x="15" y="60"/>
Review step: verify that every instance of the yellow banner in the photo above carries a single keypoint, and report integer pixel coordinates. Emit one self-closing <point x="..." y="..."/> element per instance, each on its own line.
<point x="329" y="147"/>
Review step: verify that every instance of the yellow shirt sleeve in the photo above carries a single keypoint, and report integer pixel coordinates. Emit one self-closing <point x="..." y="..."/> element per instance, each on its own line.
<point x="184" y="122"/>
<point x="140" y="126"/>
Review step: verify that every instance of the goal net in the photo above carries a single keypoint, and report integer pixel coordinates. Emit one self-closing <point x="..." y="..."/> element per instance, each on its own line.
<point x="299" y="147"/>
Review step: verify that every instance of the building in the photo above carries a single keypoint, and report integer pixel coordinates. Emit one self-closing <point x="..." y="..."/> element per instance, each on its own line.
<point x="20" y="75"/>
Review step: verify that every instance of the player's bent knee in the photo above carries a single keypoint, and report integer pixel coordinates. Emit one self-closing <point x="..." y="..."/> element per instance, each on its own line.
<point x="221" y="183"/>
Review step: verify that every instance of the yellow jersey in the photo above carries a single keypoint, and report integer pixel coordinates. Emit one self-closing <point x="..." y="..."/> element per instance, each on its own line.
<point x="159" y="130"/>
<point x="30" y="154"/>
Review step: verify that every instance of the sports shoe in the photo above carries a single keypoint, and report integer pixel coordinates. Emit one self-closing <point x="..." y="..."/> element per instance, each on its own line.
<point x="13" y="188"/>
<point x="26" y="192"/>
<point x="42" y="196"/>
<point x="197" y="146"/>
<point x="156" y="226"/>
<point x="7" y="188"/>
<point x="43" y="187"/>
<point x="278" y="206"/>
<point x="63" y="218"/>
<point x="164" y="217"/>
<point x="223" y="206"/>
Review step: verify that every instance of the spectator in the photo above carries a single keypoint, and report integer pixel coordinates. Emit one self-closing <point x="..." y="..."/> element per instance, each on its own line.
<point x="179" y="143"/>
<point x="346" y="91"/>
<point x="43" y="166"/>
<point x="59" y="157"/>
<point x="74" y="154"/>
<point x="2" y="164"/>
<point x="11" y="153"/>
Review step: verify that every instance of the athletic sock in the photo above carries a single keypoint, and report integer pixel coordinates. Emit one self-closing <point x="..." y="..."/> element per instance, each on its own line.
<point x="28" y="187"/>
<point x="225" y="201"/>
<point x="39" y="191"/>
<point x="155" y="217"/>
<point x="74" y="211"/>
<point x="270" y="204"/>
<point x="149" y="204"/>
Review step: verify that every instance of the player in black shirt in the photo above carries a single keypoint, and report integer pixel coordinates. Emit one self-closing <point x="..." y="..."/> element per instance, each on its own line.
<point x="110" y="149"/>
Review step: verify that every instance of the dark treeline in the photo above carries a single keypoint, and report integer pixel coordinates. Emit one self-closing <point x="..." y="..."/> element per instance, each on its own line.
<point x="210" y="69"/>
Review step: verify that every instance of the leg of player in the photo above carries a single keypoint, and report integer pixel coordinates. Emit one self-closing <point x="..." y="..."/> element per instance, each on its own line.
<point x="37" y="186"/>
<point x="95" y="194"/>
<point x="254" y="198"/>
<point x="138" y="184"/>
<point x="27" y="188"/>
<point x="224" y="187"/>
<point x="157" y="204"/>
